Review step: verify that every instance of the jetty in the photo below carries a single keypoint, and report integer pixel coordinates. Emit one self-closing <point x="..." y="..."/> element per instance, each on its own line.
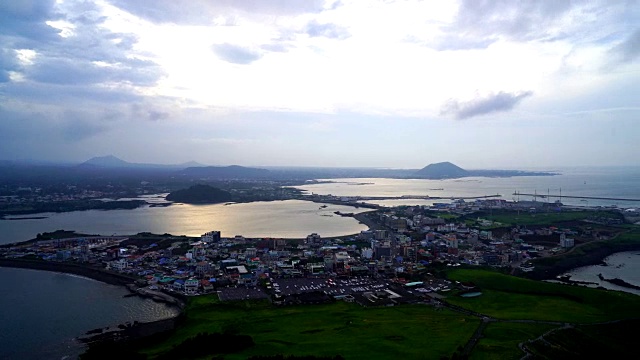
<point x="573" y="197"/>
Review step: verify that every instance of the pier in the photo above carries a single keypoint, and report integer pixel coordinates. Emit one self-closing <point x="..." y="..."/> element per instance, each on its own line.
<point x="574" y="197"/>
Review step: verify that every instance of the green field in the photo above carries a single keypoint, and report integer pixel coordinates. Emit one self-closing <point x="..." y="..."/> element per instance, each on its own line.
<point x="416" y="331"/>
<point x="511" y="218"/>
<point x="500" y="340"/>
<point x="509" y="297"/>
<point x="615" y="341"/>
<point x="355" y="332"/>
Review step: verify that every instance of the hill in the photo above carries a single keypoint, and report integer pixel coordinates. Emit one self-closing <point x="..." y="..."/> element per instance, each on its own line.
<point x="200" y="194"/>
<point x="443" y="170"/>
<point x="106" y="161"/>
<point x="111" y="161"/>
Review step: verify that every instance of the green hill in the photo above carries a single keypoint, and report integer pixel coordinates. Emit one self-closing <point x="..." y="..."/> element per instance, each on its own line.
<point x="200" y="194"/>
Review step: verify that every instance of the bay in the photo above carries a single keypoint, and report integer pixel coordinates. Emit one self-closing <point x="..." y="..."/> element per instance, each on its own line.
<point x="42" y="312"/>
<point x="278" y="219"/>
<point x="615" y="182"/>
<point x="622" y="265"/>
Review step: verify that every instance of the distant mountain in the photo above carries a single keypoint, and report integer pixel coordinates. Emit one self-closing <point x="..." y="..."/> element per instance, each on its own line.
<point x="200" y="194"/>
<point x="443" y="170"/>
<point x="111" y="161"/>
<point x="227" y="172"/>
<point x="106" y="161"/>
<point x="190" y="164"/>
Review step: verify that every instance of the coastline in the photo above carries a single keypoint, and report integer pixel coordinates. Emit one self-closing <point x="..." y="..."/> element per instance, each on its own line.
<point x="550" y="268"/>
<point x="101" y="275"/>
<point x="111" y="333"/>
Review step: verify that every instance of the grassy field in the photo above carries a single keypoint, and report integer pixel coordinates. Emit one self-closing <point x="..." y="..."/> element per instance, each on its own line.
<point x="510" y="218"/>
<point x="500" y="340"/>
<point x="509" y="297"/>
<point x="408" y="331"/>
<point x="614" y="341"/>
<point x="411" y="332"/>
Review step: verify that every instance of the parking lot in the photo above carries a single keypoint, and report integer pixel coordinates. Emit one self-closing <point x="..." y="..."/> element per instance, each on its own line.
<point x="334" y="287"/>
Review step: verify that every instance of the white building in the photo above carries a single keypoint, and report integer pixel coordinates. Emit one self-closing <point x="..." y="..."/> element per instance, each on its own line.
<point x="366" y="253"/>
<point x="565" y="242"/>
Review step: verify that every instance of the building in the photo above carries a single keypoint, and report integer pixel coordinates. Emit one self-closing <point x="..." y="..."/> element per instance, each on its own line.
<point x="191" y="286"/>
<point x="211" y="237"/>
<point x="566" y="242"/>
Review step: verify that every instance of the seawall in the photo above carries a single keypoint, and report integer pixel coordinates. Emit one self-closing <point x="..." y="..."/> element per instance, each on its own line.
<point x="68" y="268"/>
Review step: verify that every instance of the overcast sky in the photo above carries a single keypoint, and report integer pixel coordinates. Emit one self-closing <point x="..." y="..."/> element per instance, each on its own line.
<point x="483" y="84"/>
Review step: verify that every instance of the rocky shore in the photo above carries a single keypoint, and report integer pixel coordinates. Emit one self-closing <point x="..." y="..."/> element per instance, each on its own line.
<point x="551" y="267"/>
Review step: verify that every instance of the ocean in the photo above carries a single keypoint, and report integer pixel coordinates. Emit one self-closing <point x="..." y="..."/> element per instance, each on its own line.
<point x="613" y="182"/>
<point x="42" y="312"/>
<point x="622" y="265"/>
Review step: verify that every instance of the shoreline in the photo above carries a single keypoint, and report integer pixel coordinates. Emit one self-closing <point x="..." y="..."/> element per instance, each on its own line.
<point x="568" y="262"/>
<point x="111" y="333"/>
<point x="97" y="274"/>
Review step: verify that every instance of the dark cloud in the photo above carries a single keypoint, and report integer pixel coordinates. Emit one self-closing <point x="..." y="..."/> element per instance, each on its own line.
<point x="501" y="101"/>
<point x="77" y="127"/>
<point x="56" y="94"/>
<point x="75" y="72"/>
<point x="25" y="19"/>
<point x="202" y="12"/>
<point x="8" y="63"/>
<point x="328" y="30"/>
<point x="87" y="60"/>
<point x="235" y="54"/>
<point x="148" y="112"/>
<point x="628" y="50"/>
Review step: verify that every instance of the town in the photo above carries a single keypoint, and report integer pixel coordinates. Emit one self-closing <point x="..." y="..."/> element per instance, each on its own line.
<point x="398" y="260"/>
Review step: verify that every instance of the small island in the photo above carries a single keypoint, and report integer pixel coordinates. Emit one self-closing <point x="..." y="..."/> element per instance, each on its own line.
<point x="200" y="194"/>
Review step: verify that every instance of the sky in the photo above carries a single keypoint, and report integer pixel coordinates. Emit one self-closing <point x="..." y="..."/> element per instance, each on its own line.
<point x="395" y="84"/>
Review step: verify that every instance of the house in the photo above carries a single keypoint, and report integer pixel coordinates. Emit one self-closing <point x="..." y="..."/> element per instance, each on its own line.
<point x="191" y="286"/>
<point x="178" y="285"/>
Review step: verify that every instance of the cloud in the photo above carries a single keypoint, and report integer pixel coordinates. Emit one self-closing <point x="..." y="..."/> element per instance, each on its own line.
<point x="203" y="12"/>
<point x="26" y="19"/>
<point x="91" y="63"/>
<point x="628" y="50"/>
<point x="501" y="101"/>
<point x="235" y="54"/>
<point x="77" y="72"/>
<point x="478" y="24"/>
<point x="328" y="30"/>
<point x="78" y="128"/>
<point x="8" y="62"/>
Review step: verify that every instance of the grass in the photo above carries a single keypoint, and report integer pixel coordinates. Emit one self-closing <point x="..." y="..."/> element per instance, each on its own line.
<point x="500" y="340"/>
<point x="411" y="331"/>
<point x="615" y="341"/>
<point x="510" y="218"/>
<point x="510" y="297"/>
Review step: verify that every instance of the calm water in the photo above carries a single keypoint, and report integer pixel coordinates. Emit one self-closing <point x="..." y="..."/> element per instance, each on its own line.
<point x="281" y="219"/>
<point x="623" y="265"/>
<point x="42" y="312"/>
<point x="615" y="182"/>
